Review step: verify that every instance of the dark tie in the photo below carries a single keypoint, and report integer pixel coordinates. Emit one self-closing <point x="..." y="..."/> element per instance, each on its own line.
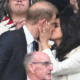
<point x="35" y="46"/>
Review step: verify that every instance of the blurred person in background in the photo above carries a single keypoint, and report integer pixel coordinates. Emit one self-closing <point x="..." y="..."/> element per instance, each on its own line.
<point x="75" y="5"/>
<point x="76" y="9"/>
<point x="15" y="14"/>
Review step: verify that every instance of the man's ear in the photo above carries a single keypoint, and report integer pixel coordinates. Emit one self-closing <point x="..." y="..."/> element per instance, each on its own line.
<point x="42" y="22"/>
<point x="32" y="67"/>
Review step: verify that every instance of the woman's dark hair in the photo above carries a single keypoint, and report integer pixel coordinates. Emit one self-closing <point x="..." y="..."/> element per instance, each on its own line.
<point x="70" y="39"/>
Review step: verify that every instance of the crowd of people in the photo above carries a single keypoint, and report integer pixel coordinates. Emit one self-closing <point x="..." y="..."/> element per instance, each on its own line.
<point x="26" y="27"/>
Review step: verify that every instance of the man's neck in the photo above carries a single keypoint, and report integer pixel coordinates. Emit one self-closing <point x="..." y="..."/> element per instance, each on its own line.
<point x="16" y="17"/>
<point x="32" y="77"/>
<point x="32" y="29"/>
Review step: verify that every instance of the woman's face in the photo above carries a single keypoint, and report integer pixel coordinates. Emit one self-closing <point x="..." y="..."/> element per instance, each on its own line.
<point x="56" y="33"/>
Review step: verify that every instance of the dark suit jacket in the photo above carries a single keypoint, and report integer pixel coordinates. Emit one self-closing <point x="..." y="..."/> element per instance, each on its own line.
<point x="13" y="48"/>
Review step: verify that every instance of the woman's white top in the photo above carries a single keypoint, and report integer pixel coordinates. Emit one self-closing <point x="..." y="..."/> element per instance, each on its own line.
<point x="68" y="69"/>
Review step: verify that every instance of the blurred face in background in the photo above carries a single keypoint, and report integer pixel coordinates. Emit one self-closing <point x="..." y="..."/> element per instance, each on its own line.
<point x="74" y="3"/>
<point x="18" y="6"/>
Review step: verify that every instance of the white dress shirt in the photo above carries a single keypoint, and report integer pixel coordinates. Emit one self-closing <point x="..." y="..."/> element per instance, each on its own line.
<point x="29" y="39"/>
<point x="28" y="78"/>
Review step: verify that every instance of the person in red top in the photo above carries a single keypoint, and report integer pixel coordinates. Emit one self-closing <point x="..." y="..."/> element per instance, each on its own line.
<point x="17" y="17"/>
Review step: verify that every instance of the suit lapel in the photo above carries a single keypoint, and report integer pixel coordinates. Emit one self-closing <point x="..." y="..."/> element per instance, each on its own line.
<point x="23" y="40"/>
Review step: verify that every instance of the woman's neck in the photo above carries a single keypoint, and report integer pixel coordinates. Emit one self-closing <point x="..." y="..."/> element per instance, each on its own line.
<point x="57" y="42"/>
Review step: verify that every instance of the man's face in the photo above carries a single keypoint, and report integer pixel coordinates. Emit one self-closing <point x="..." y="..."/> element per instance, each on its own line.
<point x="18" y="6"/>
<point x="43" y="68"/>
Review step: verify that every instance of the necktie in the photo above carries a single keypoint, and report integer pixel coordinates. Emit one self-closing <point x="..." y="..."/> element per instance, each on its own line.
<point x="35" y="46"/>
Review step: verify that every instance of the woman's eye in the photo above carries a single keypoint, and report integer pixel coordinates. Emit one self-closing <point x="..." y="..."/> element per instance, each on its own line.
<point x="56" y="25"/>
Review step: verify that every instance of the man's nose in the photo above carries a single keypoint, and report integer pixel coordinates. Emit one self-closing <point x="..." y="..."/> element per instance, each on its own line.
<point x="50" y="68"/>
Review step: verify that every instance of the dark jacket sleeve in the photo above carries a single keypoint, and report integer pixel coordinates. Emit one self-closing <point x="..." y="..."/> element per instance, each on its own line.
<point x="6" y="48"/>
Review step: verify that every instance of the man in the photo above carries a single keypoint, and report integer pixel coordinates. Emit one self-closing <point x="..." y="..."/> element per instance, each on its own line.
<point x="18" y="10"/>
<point x="15" y="44"/>
<point x="38" y="66"/>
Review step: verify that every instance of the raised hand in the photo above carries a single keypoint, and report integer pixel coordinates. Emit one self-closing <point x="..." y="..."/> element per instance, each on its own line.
<point x="44" y="35"/>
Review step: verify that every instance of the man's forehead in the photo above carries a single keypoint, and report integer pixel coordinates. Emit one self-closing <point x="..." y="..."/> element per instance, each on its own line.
<point x="41" y="56"/>
<point x="42" y="59"/>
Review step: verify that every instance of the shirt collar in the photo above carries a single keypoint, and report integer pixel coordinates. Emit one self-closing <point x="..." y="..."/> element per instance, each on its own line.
<point x="29" y="37"/>
<point x="28" y="78"/>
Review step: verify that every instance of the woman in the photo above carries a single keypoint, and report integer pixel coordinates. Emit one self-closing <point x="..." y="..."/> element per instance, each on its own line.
<point x="66" y="58"/>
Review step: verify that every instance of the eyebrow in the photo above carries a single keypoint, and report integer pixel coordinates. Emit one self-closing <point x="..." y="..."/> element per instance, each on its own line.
<point x="56" y="23"/>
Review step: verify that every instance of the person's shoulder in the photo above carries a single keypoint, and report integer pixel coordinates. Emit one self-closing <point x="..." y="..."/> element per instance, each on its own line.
<point x="8" y="34"/>
<point x="75" y="50"/>
<point x="9" y="38"/>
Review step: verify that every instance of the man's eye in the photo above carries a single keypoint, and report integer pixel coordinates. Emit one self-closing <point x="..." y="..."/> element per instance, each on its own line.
<point x="46" y="63"/>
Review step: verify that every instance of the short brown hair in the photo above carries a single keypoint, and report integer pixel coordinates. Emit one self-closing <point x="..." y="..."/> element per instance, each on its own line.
<point x="34" y="15"/>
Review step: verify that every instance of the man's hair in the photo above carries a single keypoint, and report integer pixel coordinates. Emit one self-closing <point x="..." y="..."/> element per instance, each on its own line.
<point x="28" y="59"/>
<point x="34" y="15"/>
